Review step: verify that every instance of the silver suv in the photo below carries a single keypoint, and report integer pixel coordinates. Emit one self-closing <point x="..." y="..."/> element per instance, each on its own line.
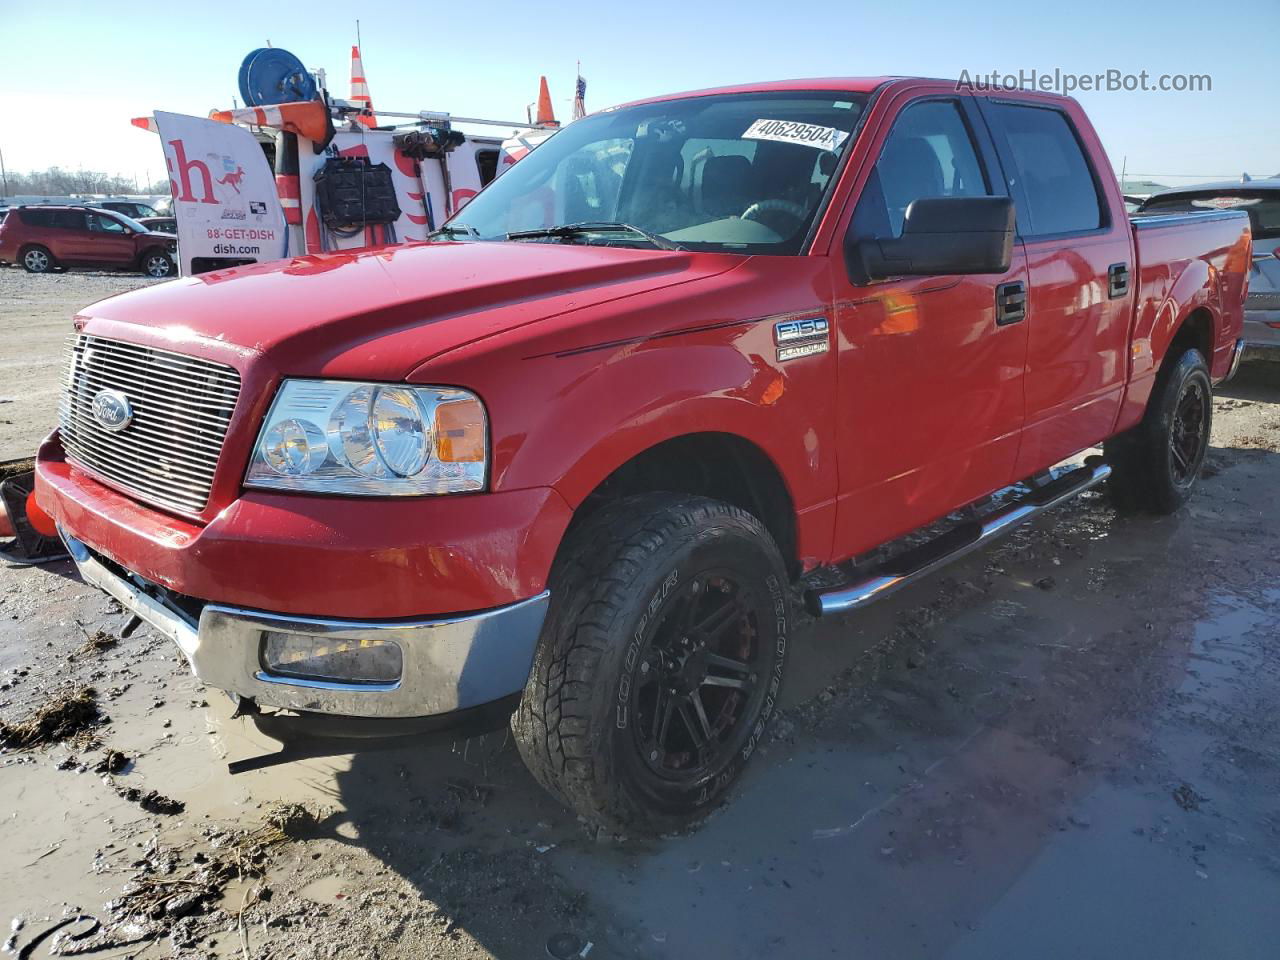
<point x="1261" y="200"/>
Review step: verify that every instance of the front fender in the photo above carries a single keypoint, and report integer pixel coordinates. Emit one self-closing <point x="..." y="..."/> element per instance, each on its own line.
<point x="573" y="398"/>
<point x="637" y="401"/>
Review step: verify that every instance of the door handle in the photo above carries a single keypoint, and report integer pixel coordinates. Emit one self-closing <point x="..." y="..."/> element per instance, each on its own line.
<point x="1117" y="280"/>
<point x="1011" y="303"/>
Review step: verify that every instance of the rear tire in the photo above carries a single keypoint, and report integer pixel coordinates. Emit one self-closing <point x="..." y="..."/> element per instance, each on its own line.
<point x="1157" y="463"/>
<point x="660" y="661"/>
<point x="38" y="259"/>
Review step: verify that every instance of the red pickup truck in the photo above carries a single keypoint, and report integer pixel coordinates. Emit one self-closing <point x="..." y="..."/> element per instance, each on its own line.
<point x="576" y="457"/>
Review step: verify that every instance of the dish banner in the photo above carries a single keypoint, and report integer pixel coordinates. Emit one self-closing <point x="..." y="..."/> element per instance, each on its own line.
<point x="224" y="194"/>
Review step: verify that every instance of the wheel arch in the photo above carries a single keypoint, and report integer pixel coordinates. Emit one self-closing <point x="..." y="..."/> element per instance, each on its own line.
<point x="720" y="465"/>
<point x="28" y="247"/>
<point x="1196" y="329"/>
<point x="1188" y="316"/>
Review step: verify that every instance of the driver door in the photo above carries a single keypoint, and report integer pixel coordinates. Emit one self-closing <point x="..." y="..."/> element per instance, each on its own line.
<point x="930" y="377"/>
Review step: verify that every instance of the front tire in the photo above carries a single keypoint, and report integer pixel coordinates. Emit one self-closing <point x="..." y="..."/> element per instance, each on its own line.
<point x="157" y="264"/>
<point x="659" y="663"/>
<point x="1156" y="464"/>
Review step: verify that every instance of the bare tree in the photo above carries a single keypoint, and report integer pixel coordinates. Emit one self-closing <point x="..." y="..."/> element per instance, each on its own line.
<point x="58" y="182"/>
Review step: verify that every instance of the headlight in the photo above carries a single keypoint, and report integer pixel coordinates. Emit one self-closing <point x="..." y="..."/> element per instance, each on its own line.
<point x="332" y="436"/>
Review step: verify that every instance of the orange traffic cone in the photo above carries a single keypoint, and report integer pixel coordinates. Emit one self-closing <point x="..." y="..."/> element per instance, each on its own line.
<point x="546" y="116"/>
<point x="360" y="89"/>
<point x="40" y="521"/>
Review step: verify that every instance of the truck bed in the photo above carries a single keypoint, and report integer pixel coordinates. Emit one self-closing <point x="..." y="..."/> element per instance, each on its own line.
<point x="1182" y="257"/>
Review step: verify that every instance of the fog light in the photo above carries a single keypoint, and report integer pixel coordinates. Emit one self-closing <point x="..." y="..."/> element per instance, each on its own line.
<point x="305" y="657"/>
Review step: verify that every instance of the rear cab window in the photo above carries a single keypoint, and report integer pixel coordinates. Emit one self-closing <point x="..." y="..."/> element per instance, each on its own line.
<point x="1054" y="185"/>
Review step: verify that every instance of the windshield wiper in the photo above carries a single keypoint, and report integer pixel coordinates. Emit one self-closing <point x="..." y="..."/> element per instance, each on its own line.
<point x="451" y="230"/>
<point x="603" y="226"/>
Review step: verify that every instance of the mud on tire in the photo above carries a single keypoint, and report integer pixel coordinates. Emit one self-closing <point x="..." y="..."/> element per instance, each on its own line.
<point x="1157" y="463"/>
<point x="656" y="601"/>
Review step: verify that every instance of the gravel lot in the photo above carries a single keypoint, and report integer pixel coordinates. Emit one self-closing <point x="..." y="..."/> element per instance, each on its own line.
<point x="1062" y="747"/>
<point x="35" y="321"/>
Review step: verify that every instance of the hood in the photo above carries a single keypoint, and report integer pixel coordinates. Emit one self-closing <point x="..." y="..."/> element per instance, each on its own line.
<point x="380" y="313"/>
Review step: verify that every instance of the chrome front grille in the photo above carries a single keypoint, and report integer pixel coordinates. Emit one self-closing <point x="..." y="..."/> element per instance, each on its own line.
<point x="168" y="452"/>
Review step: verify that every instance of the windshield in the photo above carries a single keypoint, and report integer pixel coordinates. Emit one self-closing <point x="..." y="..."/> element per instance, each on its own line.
<point x="740" y="173"/>
<point x="1263" y="207"/>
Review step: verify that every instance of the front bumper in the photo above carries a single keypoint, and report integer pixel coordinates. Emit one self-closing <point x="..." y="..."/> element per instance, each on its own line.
<point x="448" y="664"/>
<point x="346" y="558"/>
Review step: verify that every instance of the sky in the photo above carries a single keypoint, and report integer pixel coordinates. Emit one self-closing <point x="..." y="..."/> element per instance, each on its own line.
<point x="73" y="73"/>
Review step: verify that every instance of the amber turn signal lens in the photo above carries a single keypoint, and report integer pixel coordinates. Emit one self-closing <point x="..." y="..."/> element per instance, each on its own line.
<point x="460" y="431"/>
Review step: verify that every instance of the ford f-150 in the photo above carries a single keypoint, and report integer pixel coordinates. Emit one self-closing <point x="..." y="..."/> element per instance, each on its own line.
<point x="573" y="461"/>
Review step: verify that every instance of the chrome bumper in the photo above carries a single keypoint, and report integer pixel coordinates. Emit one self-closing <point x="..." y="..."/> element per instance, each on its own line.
<point x="448" y="664"/>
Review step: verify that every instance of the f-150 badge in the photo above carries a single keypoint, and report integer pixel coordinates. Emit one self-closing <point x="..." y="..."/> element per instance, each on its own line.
<point x="801" y="338"/>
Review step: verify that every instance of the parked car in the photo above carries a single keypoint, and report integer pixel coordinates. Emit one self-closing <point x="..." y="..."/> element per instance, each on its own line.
<point x="48" y="237"/>
<point x="130" y="208"/>
<point x="572" y="459"/>
<point x="1260" y="199"/>
<point x="167" y="225"/>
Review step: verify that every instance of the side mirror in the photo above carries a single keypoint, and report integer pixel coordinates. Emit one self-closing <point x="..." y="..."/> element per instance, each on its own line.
<point x="940" y="235"/>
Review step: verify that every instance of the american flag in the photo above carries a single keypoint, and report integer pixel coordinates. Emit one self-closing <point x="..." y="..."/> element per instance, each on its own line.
<point x="580" y="99"/>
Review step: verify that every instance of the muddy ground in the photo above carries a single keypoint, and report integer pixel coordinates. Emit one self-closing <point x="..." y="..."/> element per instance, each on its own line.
<point x="1064" y="746"/>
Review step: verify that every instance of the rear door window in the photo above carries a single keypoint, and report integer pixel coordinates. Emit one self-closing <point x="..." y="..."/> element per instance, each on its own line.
<point x="69" y="219"/>
<point x="1058" y="189"/>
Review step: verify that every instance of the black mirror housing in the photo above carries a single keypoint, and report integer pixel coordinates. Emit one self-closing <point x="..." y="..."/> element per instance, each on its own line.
<point x="940" y="236"/>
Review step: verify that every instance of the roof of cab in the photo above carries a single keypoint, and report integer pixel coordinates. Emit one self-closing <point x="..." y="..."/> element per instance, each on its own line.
<point x="834" y="84"/>
<point x="862" y="85"/>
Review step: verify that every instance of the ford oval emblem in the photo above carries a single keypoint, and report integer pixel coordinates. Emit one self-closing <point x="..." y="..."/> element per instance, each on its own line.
<point x="112" y="410"/>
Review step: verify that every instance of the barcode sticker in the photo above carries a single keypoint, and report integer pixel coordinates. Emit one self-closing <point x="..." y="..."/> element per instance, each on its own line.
<point x="803" y="134"/>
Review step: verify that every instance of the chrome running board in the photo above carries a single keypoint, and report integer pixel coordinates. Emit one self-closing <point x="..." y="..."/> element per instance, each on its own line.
<point x="925" y="559"/>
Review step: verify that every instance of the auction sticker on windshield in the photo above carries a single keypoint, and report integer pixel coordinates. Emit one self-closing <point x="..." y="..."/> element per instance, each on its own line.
<point x="804" y="134"/>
